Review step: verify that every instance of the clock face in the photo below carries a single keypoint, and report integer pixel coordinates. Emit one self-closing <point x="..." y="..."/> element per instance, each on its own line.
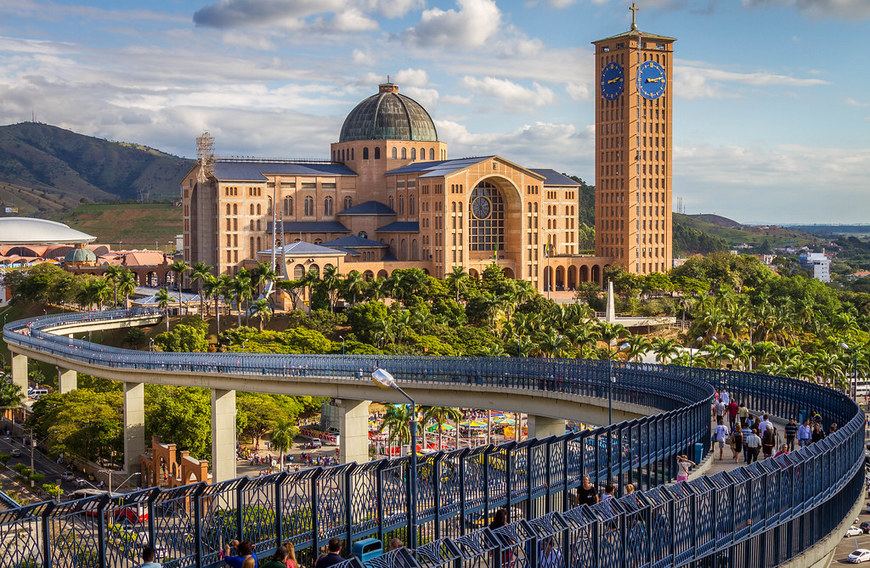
<point x="651" y="80"/>
<point x="612" y="81"/>
<point x="481" y="207"/>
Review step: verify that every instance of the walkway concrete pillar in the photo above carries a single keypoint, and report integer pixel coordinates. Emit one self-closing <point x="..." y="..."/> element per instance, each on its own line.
<point x="542" y="427"/>
<point x="223" y="435"/>
<point x="134" y="425"/>
<point x="353" y="417"/>
<point x="67" y="380"/>
<point x="19" y="372"/>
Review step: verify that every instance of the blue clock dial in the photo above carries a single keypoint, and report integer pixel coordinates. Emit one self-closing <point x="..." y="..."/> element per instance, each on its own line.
<point x="651" y="80"/>
<point x="612" y="81"/>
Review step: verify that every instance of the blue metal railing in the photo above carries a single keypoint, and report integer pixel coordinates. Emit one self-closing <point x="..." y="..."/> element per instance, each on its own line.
<point x="758" y="515"/>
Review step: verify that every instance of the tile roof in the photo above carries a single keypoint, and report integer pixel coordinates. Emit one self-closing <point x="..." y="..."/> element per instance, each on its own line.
<point x="302" y="248"/>
<point x="401" y="227"/>
<point x="552" y="177"/>
<point x="257" y="170"/>
<point x="439" y="169"/>
<point x="368" y="208"/>
<point x="353" y="241"/>
<point x="311" y="227"/>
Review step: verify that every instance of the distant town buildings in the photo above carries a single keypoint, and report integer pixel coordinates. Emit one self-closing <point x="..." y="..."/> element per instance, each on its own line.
<point x="818" y="264"/>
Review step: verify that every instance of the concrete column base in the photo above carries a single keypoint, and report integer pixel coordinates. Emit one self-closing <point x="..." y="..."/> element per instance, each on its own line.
<point x="134" y="425"/>
<point x="67" y="380"/>
<point x="19" y="372"/>
<point x="354" y="430"/>
<point x="543" y="427"/>
<point x="223" y="435"/>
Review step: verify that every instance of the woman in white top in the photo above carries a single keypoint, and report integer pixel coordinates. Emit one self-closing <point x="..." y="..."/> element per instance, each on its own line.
<point x="684" y="463"/>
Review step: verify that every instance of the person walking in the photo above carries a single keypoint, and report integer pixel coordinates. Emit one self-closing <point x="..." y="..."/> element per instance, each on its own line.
<point x="719" y="436"/>
<point x="736" y="444"/>
<point x="805" y="434"/>
<point x="818" y="433"/>
<point x="725" y="397"/>
<point x="743" y="412"/>
<point x="747" y="431"/>
<point x="768" y="441"/>
<point x="764" y="425"/>
<point x="790" y="432"/>
<point x="586" y="493"/>
<point x="733" y="411"/>
<point x="752" y="445"/>
<point x="718" y="409"/>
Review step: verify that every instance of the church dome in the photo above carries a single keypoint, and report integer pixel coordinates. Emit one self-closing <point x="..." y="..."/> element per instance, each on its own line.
<point x="80" y="255"/>
<point x="388" y="116"/>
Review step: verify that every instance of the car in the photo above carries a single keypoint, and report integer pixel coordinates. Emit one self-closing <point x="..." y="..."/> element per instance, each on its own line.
<point x="67" y="476"/>
<point x="316" y="443"/>
<point x="860" y="555"/>
<point x="16" y="452"/>
<point x="80" y="482"/>
<point x="854" y="531"/>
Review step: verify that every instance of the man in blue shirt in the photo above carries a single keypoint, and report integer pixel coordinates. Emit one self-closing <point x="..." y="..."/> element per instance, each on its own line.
<point x="804" y="434"/>
<point x="148" y="558"/>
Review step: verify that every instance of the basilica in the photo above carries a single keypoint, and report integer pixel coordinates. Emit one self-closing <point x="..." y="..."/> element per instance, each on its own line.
<point x="389" y="198"/>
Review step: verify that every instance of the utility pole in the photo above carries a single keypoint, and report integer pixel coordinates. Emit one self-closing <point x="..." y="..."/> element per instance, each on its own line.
<point x="32" y="444"/>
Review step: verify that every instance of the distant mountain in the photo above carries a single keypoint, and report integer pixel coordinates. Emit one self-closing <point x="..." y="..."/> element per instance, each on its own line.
<point x="44" y="168"/>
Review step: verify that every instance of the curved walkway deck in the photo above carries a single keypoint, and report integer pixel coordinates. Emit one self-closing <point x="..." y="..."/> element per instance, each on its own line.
<point x="760" y="515"/>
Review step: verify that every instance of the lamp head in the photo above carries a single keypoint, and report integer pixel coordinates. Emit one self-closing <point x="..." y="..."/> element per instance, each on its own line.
<point x="844" y="346"/>
<point x="383" y="379"/>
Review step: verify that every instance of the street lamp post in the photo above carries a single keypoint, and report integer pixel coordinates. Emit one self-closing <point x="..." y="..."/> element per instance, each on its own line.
<point x="691" y="353"/>
<point x="342" y="343"/>
<point x="384" y="379"/>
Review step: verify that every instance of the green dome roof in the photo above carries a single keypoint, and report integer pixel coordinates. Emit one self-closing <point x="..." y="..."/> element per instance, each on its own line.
<point x="80" y="255"/>
<point x="388" y="116"/>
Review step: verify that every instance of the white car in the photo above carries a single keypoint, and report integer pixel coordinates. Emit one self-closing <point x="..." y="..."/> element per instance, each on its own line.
<point x="854" y="531"/>
<point x="67" y="476"/>
<point x="860" y="555"/>
<point x="80" y="482"/>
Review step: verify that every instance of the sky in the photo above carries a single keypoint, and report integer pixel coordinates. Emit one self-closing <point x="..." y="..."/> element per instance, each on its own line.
<point x="771" y="108"/>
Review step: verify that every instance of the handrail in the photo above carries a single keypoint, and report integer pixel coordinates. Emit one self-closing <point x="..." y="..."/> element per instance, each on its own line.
<point x="776" y="509"/>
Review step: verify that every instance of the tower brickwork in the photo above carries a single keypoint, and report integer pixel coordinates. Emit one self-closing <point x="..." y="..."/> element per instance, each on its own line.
<point x="633" y="150"/>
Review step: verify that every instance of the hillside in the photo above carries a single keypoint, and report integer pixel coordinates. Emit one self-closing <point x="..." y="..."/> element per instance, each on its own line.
<point x="734" y="233"/>
<point x="44" y="168"/>
<point x="126" y="225"/>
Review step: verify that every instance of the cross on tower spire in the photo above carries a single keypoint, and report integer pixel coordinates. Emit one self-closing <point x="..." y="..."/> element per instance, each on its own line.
<point x="634" y="10"/>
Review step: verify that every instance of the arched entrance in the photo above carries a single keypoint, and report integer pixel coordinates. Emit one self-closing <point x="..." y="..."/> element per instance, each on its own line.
<point x="584" y="274"/>
<point x="560" y="278"/>
<point x="596" y="274"/>
<point x="572" y="277"/>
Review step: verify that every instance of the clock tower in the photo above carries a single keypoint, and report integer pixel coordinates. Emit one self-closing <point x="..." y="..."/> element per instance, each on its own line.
<point x="633" y="149"/>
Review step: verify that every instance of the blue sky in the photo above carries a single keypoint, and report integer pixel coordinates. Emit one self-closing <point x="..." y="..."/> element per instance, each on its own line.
<point x="771" y="108"/>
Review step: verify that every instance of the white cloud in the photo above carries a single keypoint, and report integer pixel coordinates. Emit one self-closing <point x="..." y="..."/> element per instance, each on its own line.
<point x="541" y="144"/>
<point x="361" y="57"/>
<point x="512" y="96"/>
<point x="471" y="26"/>
<point x="695" y="79"/>
<point x="785" y="183"/>
<point x="856" y="103"/>
<point x="847" y="9"/>
<point x="578" y="91"/>
<point x="394" y="8"/>
<point x="320" y="16"/>
<point x="412" y="78"/>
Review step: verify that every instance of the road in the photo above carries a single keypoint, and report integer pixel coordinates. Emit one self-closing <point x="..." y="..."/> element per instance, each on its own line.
<point x="41" y="462"/>
<point x="847" y="544"/>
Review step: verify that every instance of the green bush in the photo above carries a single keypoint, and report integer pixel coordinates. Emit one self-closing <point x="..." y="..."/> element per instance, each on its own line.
<point x="37" y="477"/>
<point x="4" y="458"/>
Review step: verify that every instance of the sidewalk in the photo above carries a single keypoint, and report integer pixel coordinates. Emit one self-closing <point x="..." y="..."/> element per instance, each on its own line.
<point x="713" y="465"/>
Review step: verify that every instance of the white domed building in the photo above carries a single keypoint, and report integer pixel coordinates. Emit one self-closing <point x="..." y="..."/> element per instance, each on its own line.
<point x="388" y="198"/>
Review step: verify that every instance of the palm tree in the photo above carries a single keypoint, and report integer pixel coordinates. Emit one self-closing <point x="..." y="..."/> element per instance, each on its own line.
<point x="331" y="279"/>
<point x="211" y="290"/>
<point x="179" y="267"/>
<point x="396" y="421"/>
<point x="282" y="437"/>
<point x="199" y="273"/>
<point x="127" y="285"/>
<point x="354" y="285"/>
<point x="113" y="276"/>
<point x="11" y="396"/>
<point x="261" y="309"/>
<point x="241" y="289"/>
<point x="440" y="415"/>
<point x="458" y="281"/>
<point x="163" y="299"/>
<point x="638" y="346"/>
<point x="552" y="343"/>
<point x="665" y="349"/>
